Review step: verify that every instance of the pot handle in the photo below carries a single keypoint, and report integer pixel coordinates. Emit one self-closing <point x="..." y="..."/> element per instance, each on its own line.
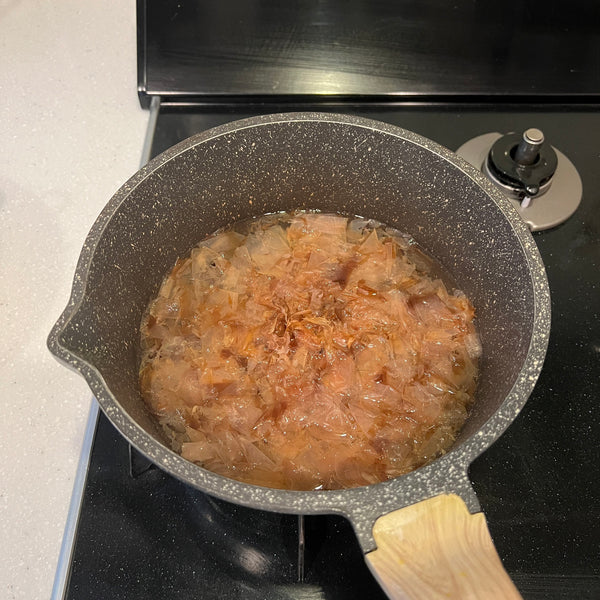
<point x="437" y="549"/>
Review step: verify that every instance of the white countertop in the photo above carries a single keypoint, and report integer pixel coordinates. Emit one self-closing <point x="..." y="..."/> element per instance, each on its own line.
<point x="72" y="132"/>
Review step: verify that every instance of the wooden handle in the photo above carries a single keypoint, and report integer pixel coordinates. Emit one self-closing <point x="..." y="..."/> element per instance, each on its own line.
<point x="438" y="549"/>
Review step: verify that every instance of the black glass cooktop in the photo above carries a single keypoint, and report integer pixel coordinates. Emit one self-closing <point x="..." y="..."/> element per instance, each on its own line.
<point x="150" y="536"/>
<point x="397" y="49"/>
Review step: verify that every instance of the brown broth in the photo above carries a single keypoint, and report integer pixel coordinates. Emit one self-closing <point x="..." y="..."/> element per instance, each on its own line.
<point x="309" y="351"/>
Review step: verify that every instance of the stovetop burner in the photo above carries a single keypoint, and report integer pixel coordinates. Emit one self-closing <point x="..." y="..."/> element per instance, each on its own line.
<point x="542" y="183"/>
<point x="151" y="536"/>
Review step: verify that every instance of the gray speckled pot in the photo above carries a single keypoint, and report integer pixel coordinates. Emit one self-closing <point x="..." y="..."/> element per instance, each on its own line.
<point x="333" y="163"/>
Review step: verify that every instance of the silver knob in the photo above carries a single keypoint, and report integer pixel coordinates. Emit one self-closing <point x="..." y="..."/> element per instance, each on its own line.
<point x="528" y="149"/>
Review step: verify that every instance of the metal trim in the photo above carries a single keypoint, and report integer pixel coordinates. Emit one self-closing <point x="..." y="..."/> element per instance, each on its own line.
<point x="150" y="129"/>
<point x="63" y="567"/>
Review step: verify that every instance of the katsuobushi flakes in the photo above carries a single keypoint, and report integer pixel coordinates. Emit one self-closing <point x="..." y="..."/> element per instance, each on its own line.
<point x="309" y="351"/>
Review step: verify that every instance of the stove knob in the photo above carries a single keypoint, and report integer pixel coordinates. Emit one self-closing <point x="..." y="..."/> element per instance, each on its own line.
<point x="522" y="165"/>
<point x="528" y="150"/>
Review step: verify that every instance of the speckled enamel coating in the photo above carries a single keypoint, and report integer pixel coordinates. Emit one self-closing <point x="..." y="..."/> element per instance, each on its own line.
<point x="332" y="163"/>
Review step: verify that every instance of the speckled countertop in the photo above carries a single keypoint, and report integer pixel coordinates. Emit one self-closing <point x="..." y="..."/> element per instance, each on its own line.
<point x="72" y="133"/>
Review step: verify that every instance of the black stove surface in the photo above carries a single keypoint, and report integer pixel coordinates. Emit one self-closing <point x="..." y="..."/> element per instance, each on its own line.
<point x="152" y="536"/>
<point x="397" y="49"/>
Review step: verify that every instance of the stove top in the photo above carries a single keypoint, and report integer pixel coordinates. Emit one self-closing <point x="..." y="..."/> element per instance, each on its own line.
<point x="140" y="533"/>
<point x="394" y="49"/>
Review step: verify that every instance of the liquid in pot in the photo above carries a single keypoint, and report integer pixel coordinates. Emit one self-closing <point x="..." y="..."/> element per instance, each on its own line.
<point x="309" y="351"/>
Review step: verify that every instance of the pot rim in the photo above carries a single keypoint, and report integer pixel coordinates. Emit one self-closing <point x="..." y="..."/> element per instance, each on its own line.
<point x="447" y="473"/>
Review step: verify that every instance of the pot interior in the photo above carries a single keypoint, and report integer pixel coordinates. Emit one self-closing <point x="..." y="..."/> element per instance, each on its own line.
<point x="209" y="182"/>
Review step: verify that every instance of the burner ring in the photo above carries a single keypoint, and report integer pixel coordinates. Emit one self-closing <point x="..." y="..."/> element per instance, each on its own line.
<point x="523" y="166"/>
<point x="562" y="192"/>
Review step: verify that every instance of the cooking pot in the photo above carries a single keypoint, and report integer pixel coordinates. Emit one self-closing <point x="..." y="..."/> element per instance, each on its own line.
<point x="422" y="533"/>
